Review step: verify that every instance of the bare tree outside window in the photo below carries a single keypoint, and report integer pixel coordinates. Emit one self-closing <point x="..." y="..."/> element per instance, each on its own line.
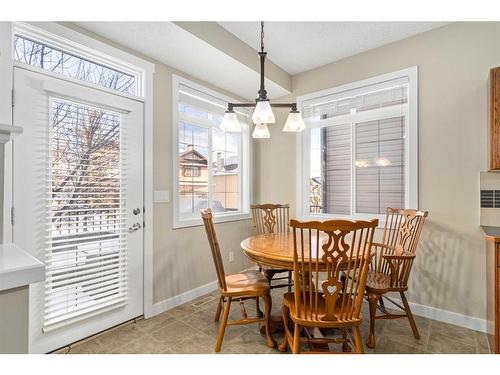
<point x="55" y="60"/>
<point x="86" y="207"/>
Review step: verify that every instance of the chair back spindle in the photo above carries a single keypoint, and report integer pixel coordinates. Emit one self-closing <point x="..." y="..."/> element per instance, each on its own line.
<point x="270" y="218"/>
<point x="331" y="261"/>
<point x="207" y="217"/>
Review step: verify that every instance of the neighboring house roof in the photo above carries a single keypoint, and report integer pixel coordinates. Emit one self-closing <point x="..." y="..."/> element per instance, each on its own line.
<point x="191" y="156"/>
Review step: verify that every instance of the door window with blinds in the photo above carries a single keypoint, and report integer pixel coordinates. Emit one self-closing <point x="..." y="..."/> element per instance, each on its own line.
<point x="86" y="252"/>
<point x="211" y="166"/>
<point x="359" y="152"/>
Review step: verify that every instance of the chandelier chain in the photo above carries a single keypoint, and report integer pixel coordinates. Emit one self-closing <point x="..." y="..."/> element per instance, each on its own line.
<point x="262" y="36"/>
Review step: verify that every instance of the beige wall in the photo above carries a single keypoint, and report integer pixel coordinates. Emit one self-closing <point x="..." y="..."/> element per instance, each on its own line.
<point x="454" y="62"/>
<point x="182" y="259"/>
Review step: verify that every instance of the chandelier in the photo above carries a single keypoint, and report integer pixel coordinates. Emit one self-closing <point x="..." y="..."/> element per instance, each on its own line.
<point x="263" y="113"/>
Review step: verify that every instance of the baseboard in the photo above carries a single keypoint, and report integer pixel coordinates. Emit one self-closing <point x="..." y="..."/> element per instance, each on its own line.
<point x="446" y="316"/>
<point x="185" y="297"/>
<point x="429" y="312"/>
<point x="182" y="298"/>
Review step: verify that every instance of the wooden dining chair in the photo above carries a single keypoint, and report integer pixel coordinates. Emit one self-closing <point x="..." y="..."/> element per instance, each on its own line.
<point x="391" y="266"/>
<point x="236" y="287"/>
<point x="272" y="218"/>
<point x="322" y="298"/>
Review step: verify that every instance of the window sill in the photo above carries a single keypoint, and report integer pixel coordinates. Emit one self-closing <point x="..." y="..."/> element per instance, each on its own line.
<point x="195" y="222"/>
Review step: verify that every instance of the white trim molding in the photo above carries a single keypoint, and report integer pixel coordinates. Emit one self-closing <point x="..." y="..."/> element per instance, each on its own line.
<point x="182" y="298"/>
<point x="445" y="316"/>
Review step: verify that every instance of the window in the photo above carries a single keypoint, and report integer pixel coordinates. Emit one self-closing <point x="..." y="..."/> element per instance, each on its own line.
<point x="211" y="167"/>
<point x="43" y="55"/>
<point x="359" y="151"/>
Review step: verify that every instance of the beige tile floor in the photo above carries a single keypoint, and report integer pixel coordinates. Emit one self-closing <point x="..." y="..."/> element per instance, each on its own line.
<point x="190" y="329"/>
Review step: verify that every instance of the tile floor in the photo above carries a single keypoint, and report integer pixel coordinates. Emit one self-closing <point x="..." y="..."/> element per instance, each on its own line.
<point x="190" y="329"/>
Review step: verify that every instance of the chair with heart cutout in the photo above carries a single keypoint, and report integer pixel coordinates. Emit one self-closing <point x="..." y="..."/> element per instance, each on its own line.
<point x="331" y="262"/>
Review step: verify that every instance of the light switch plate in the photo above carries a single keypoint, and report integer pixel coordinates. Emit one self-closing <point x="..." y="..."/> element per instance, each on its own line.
<point x="161" y="196"/>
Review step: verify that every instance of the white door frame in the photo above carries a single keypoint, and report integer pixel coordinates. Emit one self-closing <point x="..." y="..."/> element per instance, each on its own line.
<point x="60" y="32"/>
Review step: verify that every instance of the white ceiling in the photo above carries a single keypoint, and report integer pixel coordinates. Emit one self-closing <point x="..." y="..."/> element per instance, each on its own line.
<point x="300" y="46"/>
<point x="176" y="47"/>
<point x="293" y="46"/>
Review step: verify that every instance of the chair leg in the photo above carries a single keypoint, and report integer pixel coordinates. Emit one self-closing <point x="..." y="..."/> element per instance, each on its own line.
<point x="219" y="309"/>
<point x="289" y="281"/>
<point x="222" y="328"/>
<point x="296" y="339"/>
<point x="259" y="312"/>
<point x="381" y="302"/>
<point x="358" y="341"/>
<point x="268" y="305"/>
<point x="373" y="299"/>
<point x="410" y="316"/>
<point x="345" y="345"/>
<point x="286" y="322"/>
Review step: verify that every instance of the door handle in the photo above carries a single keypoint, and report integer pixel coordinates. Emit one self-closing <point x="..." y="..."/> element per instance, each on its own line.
<point x="134" y="227"/>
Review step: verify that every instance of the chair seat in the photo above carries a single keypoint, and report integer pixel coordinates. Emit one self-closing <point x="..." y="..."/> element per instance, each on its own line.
<point x="316" y="321"/>
<point x="377" y="281"/>
<point x="245" y="283"/>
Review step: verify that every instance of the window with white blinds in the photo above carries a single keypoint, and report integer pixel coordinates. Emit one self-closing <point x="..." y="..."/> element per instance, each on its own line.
<point x="86" y="261"/>
<point x="211" y="166"/>
<point x="359" y="152"/>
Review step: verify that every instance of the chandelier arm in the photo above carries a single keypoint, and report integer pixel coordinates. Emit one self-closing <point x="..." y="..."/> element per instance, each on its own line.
<point x="230" y="106"/>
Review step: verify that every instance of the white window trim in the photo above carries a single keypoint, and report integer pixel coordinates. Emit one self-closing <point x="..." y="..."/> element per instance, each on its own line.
<point x="411" y="142"/>
<point x="246" y="154"/>
<point x="94" y="47"/>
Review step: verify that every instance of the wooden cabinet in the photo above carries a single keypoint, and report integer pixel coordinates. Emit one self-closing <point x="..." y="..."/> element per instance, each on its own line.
<point x="493" y="286"/>
<point x="494" y="118"/>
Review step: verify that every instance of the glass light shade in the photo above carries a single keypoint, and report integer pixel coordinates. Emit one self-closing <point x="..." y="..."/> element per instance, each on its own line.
<point x="263" y="114"/>
<point x="294" y="122"/>
<point x="261" y="131"/>
<point x="230" y="122"/>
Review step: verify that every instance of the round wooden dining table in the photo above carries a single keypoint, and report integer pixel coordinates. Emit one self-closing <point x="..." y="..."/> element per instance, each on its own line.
<point x="276" y="250"/>
<point x="273" y="250"/>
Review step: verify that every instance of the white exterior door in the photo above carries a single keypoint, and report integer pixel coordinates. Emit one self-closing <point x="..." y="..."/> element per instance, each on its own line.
<point x="78" y="203"/>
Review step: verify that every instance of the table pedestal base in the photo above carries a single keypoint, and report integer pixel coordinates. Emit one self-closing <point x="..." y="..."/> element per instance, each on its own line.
<point x="277" y="325"/>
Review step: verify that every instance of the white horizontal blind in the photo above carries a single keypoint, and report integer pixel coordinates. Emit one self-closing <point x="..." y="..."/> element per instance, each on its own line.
<point x="86" y="259"/>
<point x="380" y="165"/>
<point x="380" y="95"/>
<point x="337" y="169"/>
<point x="362" y="166"/>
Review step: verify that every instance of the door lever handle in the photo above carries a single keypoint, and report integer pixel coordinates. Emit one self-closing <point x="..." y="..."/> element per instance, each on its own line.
<point x="134" y="227"/>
